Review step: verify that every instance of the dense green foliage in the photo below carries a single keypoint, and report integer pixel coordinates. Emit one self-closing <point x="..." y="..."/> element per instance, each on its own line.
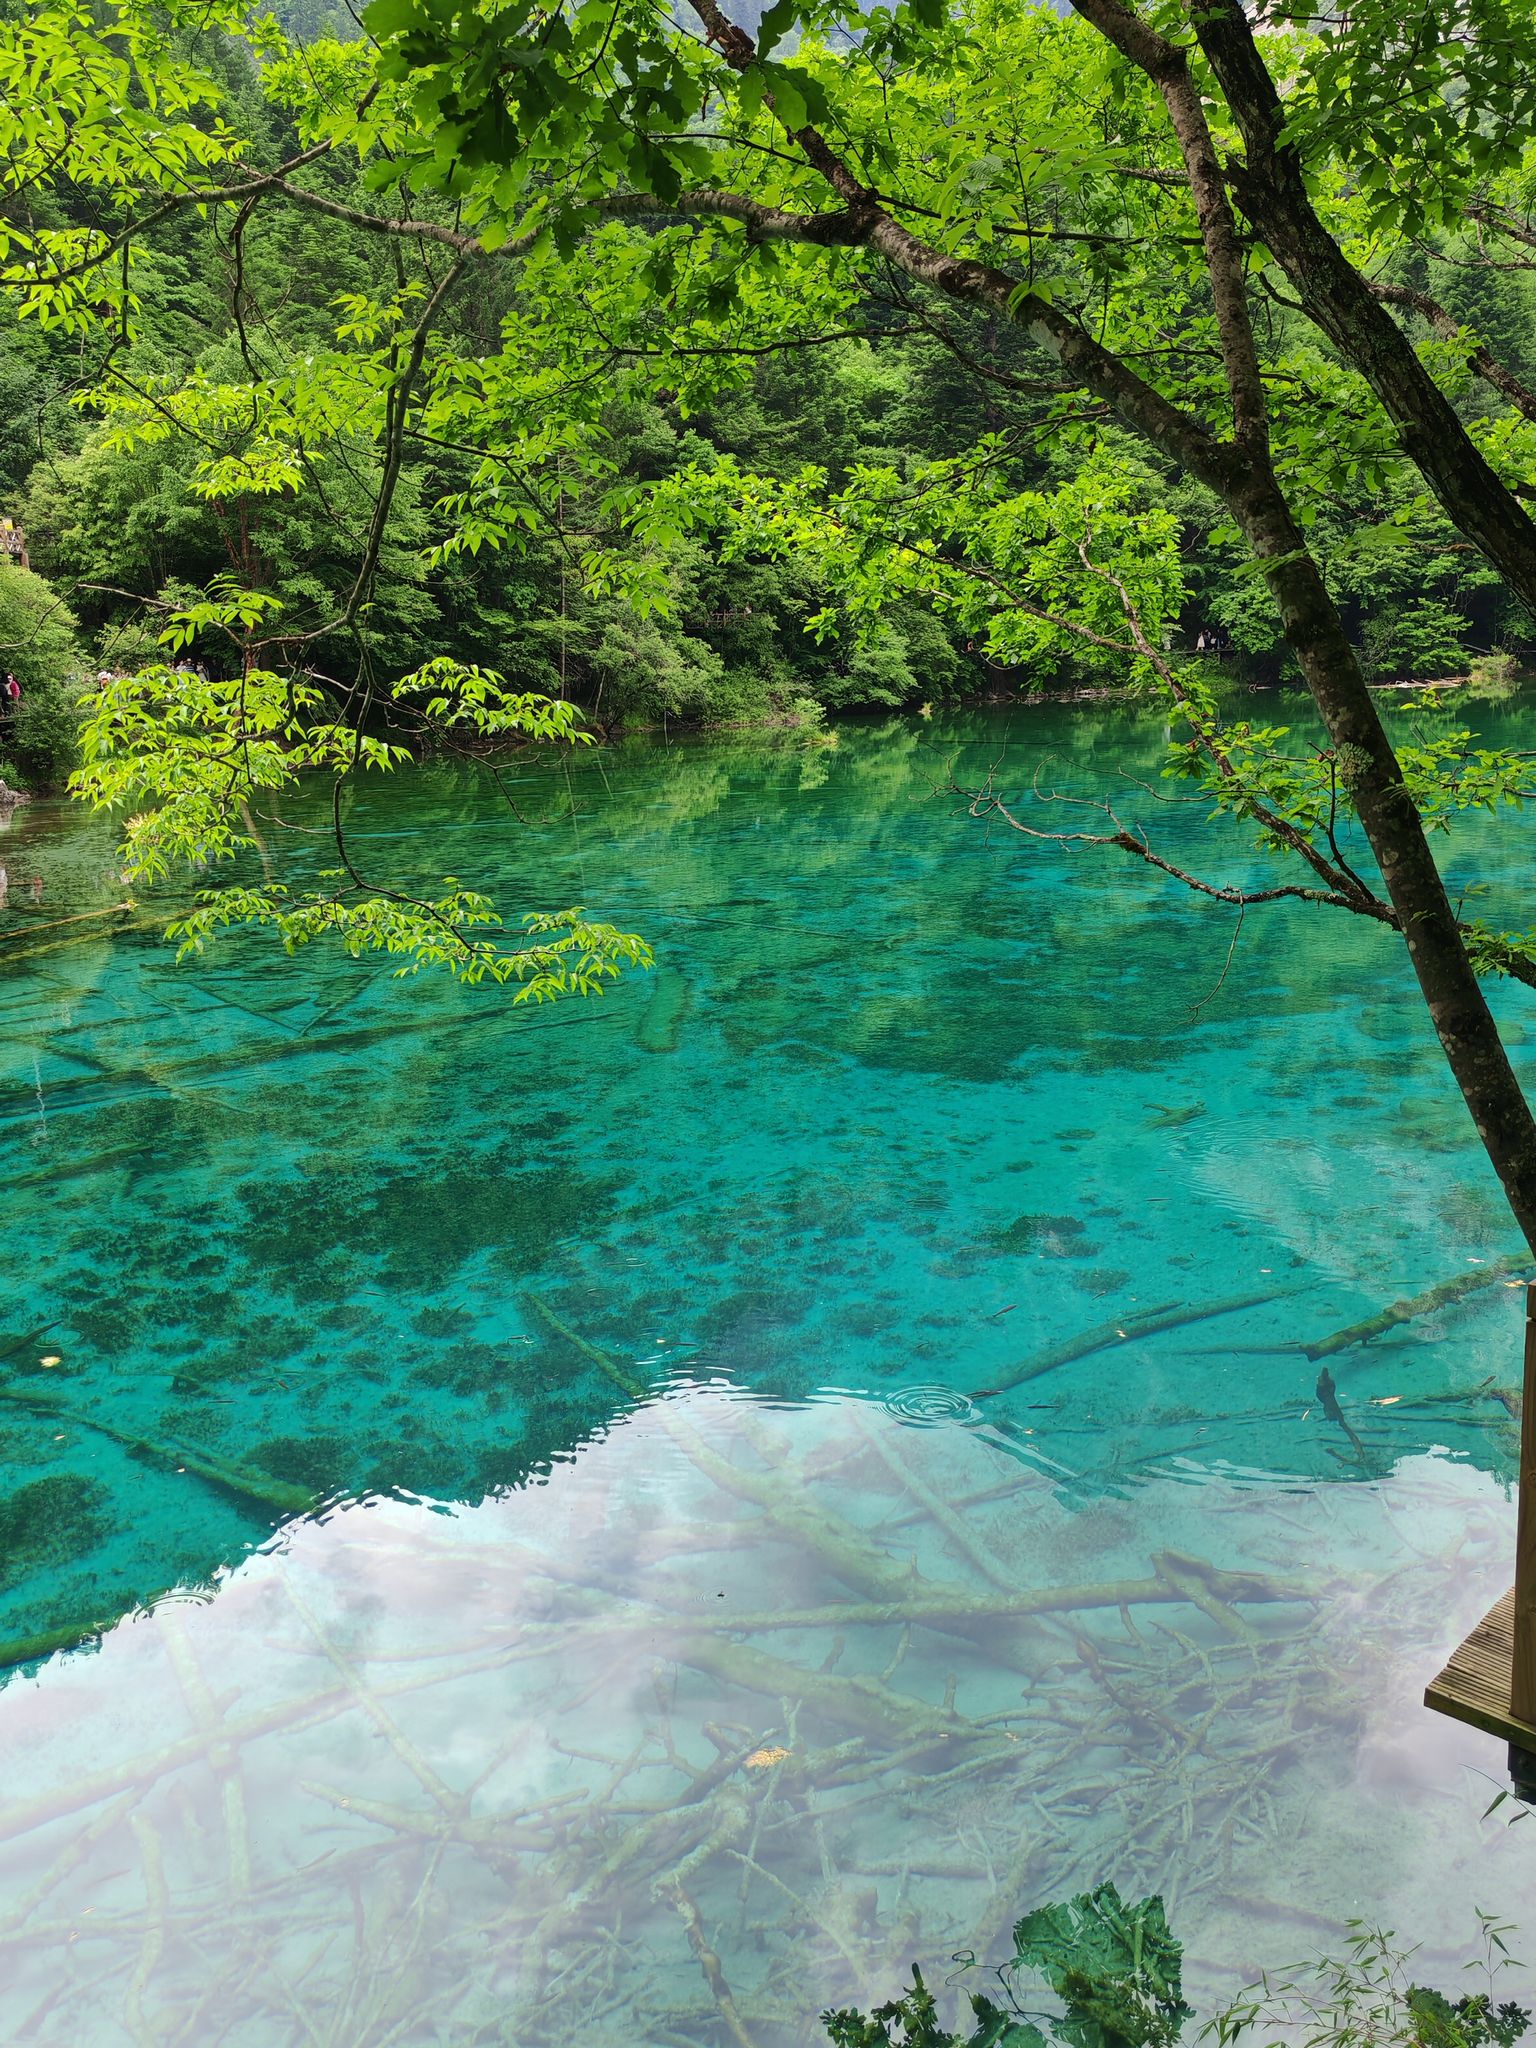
<point x="40" y="646"/>
<point x="115" y="500"/>
<point x="133" y="498"/>
<point x="519" y="351"/>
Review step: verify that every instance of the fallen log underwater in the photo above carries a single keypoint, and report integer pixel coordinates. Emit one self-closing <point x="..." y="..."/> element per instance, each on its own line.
<point x="1177" y="1580"/>
<point x="1414" y="1305"/>
<point x="1174" y="1315"/>
<point x="892" y="1591"/>
<point x="625" y="1382"/>
<point x="757" y="1813"/>
<point x="213" y="1471"/>
<point x="1170" y="1315"/>
<point x="249" y="1488"/>
<point x="28" y="929"/>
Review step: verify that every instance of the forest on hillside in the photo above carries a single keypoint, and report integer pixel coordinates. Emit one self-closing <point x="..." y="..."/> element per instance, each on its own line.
<point x="108" y="475"/>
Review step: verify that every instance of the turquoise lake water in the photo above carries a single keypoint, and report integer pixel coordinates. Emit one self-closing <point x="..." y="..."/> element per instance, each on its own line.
<point x="671" y="1378"/>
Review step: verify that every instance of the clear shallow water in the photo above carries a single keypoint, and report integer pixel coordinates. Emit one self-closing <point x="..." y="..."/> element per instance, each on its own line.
<point x="905" y="1108"/>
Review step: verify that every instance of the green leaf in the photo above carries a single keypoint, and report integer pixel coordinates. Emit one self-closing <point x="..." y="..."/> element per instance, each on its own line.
<point x="1117" y="1967"/>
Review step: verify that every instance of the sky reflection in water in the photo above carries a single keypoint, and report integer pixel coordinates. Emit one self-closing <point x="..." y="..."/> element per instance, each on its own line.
<point x="413" y="1771"/>
<point x="902" y="1113"/>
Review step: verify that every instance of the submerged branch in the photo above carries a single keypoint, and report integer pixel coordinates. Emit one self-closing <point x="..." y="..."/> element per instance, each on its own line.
<point x="1415" y="1305"/>
<point x="1121" y="1330"/>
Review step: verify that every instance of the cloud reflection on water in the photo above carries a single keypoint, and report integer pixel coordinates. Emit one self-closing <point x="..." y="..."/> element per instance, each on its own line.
<point x="414" y="1774"/>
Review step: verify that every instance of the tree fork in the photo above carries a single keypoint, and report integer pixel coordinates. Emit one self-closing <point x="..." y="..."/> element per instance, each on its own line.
<point x="1241" y="474"/>
<point x="1271" y="191"/>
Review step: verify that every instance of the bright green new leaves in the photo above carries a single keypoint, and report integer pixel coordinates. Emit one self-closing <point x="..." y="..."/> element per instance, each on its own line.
<point x="1448" y="773"/>
<point x="112" y="112"/>
<point x="200" y="758"/>
<point x="1025" y="574"/>
<point x="564" y="954"/>
<point x="110" y="124"/>
<point x="262" y="436"/>
<point x="523" y="87"/>
<point x="196" y="750"/>
<point x="457" y="696"/>
<point x="1428" y="105"/>
<point x="604" y="208"/>
<point x="997" y="131"/>
<point x="1257" y="773"/>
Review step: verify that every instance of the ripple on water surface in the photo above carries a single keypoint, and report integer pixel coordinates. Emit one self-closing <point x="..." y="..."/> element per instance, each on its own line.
<point x="932" y="1404"/>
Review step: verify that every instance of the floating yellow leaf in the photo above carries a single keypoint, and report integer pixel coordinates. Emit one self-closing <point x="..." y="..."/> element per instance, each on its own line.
<point x="765" y="1759"/>
<point x="52" y="1359"/>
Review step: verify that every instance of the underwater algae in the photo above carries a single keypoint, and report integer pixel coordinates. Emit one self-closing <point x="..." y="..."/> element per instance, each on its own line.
<point x="48" y="1519"/>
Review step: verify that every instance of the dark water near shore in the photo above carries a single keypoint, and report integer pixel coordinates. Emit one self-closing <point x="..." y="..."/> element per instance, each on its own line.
<point x="660" y="1371"/>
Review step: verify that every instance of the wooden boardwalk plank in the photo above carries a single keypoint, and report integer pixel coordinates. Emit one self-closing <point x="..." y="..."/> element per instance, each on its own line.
<point x="1475" y="1684"/>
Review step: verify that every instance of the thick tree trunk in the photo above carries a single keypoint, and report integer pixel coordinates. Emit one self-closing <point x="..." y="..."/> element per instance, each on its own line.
<point x="1338" y="299"/>
<point x="1241" y="474"/>
<point x="1271" y="191"/>
<point x="1452" y="993"/>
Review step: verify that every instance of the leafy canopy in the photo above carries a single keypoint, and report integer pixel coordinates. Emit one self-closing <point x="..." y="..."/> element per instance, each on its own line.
<point x="652" y="206"/>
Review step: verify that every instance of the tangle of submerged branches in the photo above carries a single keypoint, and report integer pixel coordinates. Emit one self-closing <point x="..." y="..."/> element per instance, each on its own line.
<point x="792" y="1784"/>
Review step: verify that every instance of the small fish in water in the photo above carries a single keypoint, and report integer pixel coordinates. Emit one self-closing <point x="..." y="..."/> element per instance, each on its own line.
<point x="1328" y="1394"/>
<point x="1168" y="1116"/>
